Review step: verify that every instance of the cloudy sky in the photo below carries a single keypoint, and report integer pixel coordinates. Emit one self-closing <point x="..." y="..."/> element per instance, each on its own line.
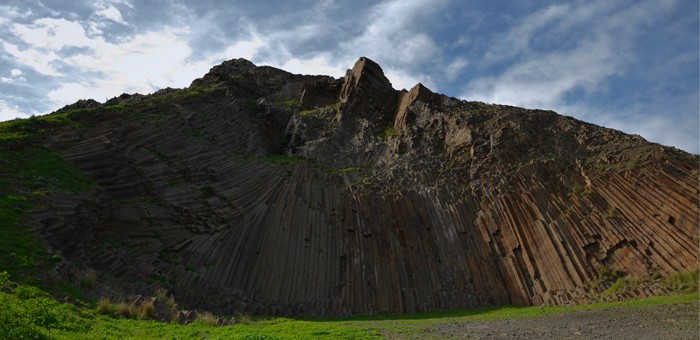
<point x="627" y="64"/>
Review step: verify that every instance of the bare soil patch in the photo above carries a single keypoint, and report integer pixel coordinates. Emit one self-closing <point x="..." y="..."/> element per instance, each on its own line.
<point x="670" y="321"/>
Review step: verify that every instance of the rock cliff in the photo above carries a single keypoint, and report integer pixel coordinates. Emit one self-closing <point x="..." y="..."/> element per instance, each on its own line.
<point x="257" y="190"/>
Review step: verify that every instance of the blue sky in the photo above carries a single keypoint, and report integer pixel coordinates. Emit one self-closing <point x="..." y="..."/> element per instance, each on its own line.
<point x="631" y="65"/>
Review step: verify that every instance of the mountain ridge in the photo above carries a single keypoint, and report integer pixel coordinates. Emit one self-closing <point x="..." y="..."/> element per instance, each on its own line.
<point x="257" y="190"/>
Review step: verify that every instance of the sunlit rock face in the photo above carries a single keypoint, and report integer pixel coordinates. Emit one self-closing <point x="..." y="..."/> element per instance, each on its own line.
<point x="260" y="191"/>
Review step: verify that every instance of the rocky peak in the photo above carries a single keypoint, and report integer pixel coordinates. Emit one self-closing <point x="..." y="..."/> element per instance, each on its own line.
<point x="419" y="93"/>
<point x="365" y="76"/>
<point x="224" y="71"/>
<point x="367" y="91"/>
<point x="81" y="104"/>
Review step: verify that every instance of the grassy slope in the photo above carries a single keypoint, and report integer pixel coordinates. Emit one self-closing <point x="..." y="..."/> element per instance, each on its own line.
<point x="26" y="175"/>
<point x="29" y="311"/>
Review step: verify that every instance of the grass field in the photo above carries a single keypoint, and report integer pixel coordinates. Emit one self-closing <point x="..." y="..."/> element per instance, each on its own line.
<point x="29" y="312"/>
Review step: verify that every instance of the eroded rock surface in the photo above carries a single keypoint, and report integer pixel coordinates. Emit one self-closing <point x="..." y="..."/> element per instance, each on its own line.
<point x="259" y="191"/>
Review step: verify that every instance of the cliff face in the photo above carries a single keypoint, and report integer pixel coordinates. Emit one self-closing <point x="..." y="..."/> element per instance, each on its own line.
<point x="261" y="191"/>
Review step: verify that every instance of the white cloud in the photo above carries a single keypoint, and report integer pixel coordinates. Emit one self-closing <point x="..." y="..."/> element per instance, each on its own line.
<point x="544" y="80"/>
<point x="455" y="67"/>
<point x="9" y="111"/>
<point x="142" y="63"/>
<point x="53" y="34"/>
<point x="319" y="64"/>
<point x="112" y="13"/>
<point x="10" y="13"/>
<point x="40" y="61"/>
<point x="660" y="129"/>
<point x="518" y="38"/>
<point x="403" y="80"/>
<point x="390" y="36"/>
<point x="246" y="49"/>
<point x="15" y="77"/>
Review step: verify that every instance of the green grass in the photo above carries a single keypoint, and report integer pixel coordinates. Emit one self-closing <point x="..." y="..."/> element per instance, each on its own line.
<point x="26" y="311"/>
<point x="685" y="282"/>
<point x="25" y="176"/>
<point x="389" y="132"/>
<point x="287" y="103"/>
<point x="621" y="284"/>
<point x="324" y="112"/>
<point x="25" y="131"/>
<point x="191" y="91"/>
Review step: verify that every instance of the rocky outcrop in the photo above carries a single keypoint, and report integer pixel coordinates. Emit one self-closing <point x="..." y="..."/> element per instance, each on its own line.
<point x="367" y="93"/>
<point x="261" y="191"/>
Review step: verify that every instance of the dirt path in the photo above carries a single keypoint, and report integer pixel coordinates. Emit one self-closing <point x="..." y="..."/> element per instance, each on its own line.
<point x="673" y="321"/>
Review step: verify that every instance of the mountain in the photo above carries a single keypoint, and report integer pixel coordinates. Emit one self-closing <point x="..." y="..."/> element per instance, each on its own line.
<point x="257" y="190"/>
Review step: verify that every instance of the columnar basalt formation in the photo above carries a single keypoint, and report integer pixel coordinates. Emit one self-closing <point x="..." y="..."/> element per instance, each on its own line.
<point x="257" y="190"/>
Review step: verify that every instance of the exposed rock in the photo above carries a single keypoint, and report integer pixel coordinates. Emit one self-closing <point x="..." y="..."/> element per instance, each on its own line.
<point x="81" y="104"/>
<point x="126" y="99"/>
<point x="228" y="69"/>
<point x="185" y="317"/>
<point x="260" y="191"/>
<point x="320" y="93"/>
<point x="367" y="93"/>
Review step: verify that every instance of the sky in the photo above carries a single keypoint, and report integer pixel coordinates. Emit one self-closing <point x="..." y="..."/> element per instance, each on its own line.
<point x="630" y="65"/>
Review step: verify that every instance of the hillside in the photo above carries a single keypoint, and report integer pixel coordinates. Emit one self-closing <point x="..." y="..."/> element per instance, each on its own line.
<point x="259" y="191"/>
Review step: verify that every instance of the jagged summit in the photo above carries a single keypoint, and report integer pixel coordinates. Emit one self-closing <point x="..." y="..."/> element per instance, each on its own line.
<point x="365" y="78"/>
<point x="260" y="191"/>
<point x="224" y="71"/>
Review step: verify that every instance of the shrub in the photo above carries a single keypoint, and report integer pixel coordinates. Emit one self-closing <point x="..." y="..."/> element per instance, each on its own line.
<point x="244" y="319"/>
<point x="206" y="318"/>
<point x="620" y="285"/>
<point x="686" y="282"/>
<point x="390" y="131"/>
<point x="606" y="273"/>
<point x="611" y="213"/>
<point x="5" y="281"/>
<point x="170" y="302"/>
<point x="124" y="310"/>
<point x="161" y="294"/>
<point x="148" y="310"/>
<point x="104" y="306"/>
<point x="88" y="278"/>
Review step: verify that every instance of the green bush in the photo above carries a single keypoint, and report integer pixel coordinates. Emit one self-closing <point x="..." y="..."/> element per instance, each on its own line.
<point x="161" y="294"/>
<point x="606" y="273"/>
<point x="124" y="310"/>
<point x="686" y="282"/>
<point x="148" y="310"/>
<point x="104" y="306"/>
<point x="88" y="278"/>
<point x="28" y="312"/>
<point x="390" y="132"/>
<point x="206" y="318"/>
<point x="621" y="284"/>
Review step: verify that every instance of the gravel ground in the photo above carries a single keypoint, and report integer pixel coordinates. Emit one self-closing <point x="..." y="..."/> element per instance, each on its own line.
<point x="672" y="321"/>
